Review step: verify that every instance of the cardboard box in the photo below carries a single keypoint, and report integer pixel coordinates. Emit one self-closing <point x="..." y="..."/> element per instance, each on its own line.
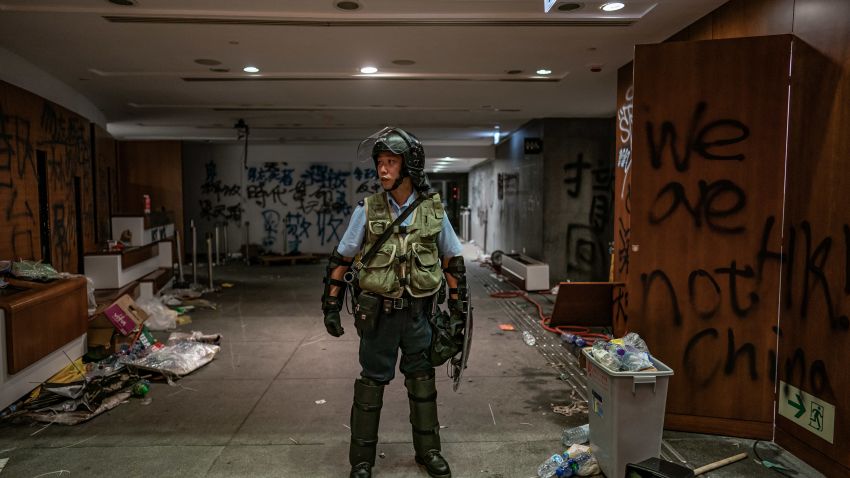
<point x="100" y="337"/>
<point x="125" y="315"/>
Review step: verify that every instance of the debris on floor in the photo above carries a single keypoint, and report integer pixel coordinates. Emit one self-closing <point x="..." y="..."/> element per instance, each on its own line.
<point x="506" y="327"/>
<point x="576" y="461"/>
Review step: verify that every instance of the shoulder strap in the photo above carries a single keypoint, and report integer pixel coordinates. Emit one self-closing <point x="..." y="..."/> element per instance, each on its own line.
<point x="381" y="240"/>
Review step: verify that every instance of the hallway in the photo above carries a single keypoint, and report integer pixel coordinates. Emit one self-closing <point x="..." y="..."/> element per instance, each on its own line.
<point x="276" y="400"/>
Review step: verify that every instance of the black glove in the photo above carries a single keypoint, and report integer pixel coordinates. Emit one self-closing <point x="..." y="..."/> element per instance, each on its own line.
<point x="332" y="322"/>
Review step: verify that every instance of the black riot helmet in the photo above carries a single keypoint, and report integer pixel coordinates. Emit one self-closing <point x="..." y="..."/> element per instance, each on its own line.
<point x="398" y="141"/>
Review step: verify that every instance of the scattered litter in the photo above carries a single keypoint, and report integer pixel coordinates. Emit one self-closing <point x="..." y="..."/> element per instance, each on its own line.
<point x="177" y="359"/>
<point x="508" y="327"/>
<point x="160" y="317"/>
<point x="443" y="426"/>
<point x="293" y="440"/>
<point x="382" y="455"/>
<point x="78" y="416"/>
<point x="492" y="415"/>
<point x="34" y="271"/>
<point x="346" y="426"/>
<point x="204" y="303"/>
<point x="570" y="410"/>
<point x="183" y="320"/>
<point x="321" y="402"/>
<point x="3" y="462"/>
<point x="226" y="285"/>
<point x="525" y="423"/>
<point x="528" y="338"/>
<point x="194" y="336"/>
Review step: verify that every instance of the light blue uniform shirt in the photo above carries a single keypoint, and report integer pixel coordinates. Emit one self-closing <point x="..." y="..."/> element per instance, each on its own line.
<point x="352" y="241"/>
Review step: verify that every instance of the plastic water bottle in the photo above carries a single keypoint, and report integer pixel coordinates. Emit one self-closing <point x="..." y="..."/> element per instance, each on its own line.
<point x="573" y="465"/>
<point x="549" y="467"/>
<point x="576" y="436"/>
<point x="528" y="338"/>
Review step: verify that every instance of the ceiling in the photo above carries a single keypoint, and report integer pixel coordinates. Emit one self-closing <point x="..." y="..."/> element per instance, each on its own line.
<point x="138" y="63"/>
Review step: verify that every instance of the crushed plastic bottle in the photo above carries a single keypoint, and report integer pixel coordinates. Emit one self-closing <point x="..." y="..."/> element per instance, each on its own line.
<point x="573" y="466"/>
<point x="578" y="435"/>
<point x="528" y="338"/>
<point x="549" y="467"/>
<point x="635" y="341"/>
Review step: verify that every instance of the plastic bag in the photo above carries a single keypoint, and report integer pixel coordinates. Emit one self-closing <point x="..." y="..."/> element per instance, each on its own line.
<point x="178" y="359"/>
<point x="588" y="468"/>
<point x="160" y="317"/>
<point x="36" y="271"/>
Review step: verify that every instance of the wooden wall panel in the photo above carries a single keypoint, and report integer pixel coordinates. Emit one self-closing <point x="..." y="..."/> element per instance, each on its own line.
<point x="707" y="183"/>
<point x="623" y="197"/>
<point x="741" y="18"/>
<point x="29" y="124"/>
<point x="816" y="301"/>
<point x="154" y="168"/>
<point x="105" y="181"/>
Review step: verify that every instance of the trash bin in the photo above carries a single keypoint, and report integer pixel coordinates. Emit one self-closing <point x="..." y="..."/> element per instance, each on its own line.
<point x="626" y="414"/>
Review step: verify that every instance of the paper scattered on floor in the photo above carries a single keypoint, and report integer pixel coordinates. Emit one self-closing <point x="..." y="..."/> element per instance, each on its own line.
<point x="506" y="327"/>
<point x="321" y="402"/>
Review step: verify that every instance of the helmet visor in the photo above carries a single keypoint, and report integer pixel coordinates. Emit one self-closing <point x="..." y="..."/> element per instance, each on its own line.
<point x="387" y="139"/>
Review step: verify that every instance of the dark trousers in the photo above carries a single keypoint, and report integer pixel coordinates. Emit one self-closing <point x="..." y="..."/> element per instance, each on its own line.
<point x="407" y="329"/>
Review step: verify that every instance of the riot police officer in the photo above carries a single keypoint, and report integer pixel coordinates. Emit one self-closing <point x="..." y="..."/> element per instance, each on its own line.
<point x="395" y="271"/>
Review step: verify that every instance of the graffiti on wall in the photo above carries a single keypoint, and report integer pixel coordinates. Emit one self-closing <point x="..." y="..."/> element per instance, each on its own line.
<point x="587" y="251"/>
<point x="297" y="206"/>
<point x="64" y="139"/>
<point x="710" y="295"/>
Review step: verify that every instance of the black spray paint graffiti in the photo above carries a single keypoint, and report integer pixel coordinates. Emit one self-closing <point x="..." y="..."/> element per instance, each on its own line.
<point x="717" y="205"/>
<point x="16" y="151"/>
<point x="585" y="242"/>
<point x="706" y="295"/>
<point x="61" y="240"/>
<point x="703" y="142"/>
<point x="17" y="158"/>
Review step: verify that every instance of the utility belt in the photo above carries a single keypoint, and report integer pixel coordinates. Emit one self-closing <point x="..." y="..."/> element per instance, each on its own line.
<point x="368" y="307"/>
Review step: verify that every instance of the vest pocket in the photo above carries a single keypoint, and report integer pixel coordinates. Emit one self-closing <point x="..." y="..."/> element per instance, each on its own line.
<point x="379" y="275"/>
<point x="426" y="274"/>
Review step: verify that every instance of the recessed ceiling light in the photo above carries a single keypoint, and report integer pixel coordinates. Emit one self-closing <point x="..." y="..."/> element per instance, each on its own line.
<point x="568" y="7"/>
<point x="368" y="70"/>
<point x="251" y="69"/>
<point x="123" y="3"/>
<point x="544" y="71"/>
<point x="348" y="5"/>
<point x="404" y="62"/>
<point x="612" y="6"/>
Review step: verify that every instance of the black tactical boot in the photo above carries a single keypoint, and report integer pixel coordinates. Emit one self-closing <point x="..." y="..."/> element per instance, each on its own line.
<point x="422" y="394"/>
<point x="365" y="415"/>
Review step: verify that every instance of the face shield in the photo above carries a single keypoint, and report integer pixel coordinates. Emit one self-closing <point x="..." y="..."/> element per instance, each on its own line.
<point x="387" y="139"/>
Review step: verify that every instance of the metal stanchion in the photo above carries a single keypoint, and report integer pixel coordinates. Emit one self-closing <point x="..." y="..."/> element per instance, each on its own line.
<point x="194" y="253"/>
<point x="226" y="249"/>
<point x="247" y="244"/>
<point x="216" y="260"/>
<point x="181" y="281"/>
<point x="209" y="261"/>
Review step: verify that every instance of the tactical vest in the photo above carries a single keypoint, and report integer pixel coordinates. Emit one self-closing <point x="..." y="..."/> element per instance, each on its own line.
<point x="409" y="259"/>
